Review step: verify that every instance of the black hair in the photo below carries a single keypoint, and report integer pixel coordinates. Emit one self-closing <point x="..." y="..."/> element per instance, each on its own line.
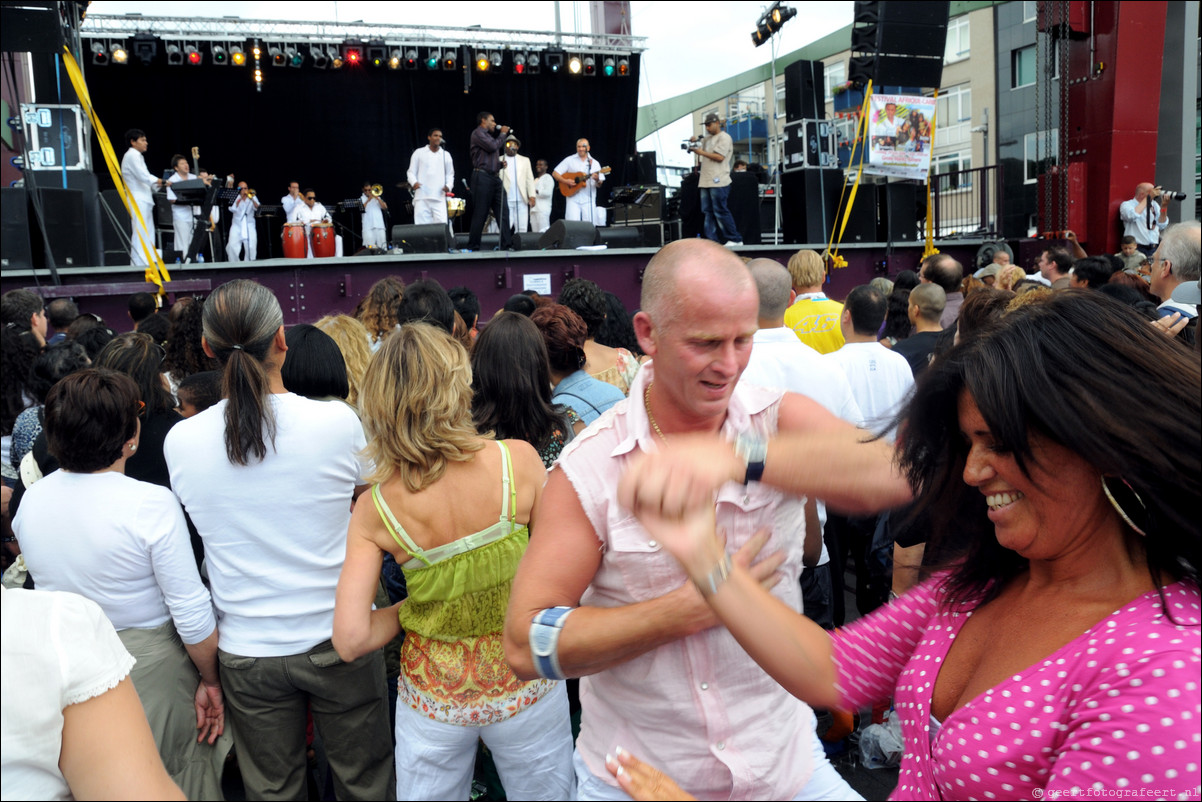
<point x="156" y="327"/>
<point x="425" y="300"/>
<point x="61" y="311"/>
<point x="141" y="306"/>
<point x="17" y="307"/>
<point x="430" y="133"/>
<point x="1069" y="369"/>
<point x="585" y="299"/>
<point x="185" y="354"/>
<point x="866" y="305"/>
<point x="18" y="350"/>
<point x="94" y="338"/>
<point x="511" y="382"/>
<point x="132" y="134"/>
<point x="520" y="303"/>
<point x="201" y="390"/>
<point x="897" y="315"/>
<point x="89" y="417"/>
<point x="616" y="330"/>
<point x="1061" y="257"/>
<point x="906" y="280"/>
<point x="481" y="116"/>
<point x="1094" y="270"/>
<point x="53" y="364"/>
<point x="466" y="304"/>
<point x="314" y="366"/>
<point x="175" y="159"/>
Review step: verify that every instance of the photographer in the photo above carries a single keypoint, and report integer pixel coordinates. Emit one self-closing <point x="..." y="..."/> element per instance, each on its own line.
<point x="715" y="149"/>
<point x="1144" y="217"/>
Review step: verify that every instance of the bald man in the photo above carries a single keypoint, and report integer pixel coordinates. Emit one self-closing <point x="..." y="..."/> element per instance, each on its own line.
<point x="596" y="597"/>
<point x="1144" y="218"/>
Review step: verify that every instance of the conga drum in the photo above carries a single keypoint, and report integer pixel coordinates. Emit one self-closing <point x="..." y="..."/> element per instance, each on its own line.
<point x="323" y="240"/>
<point x="294" y="240"/>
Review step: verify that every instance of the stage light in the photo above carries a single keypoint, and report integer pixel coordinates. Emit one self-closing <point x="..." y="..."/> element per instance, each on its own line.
<point x="553" y="59"/>
<point x="590" y="65"/>
<point x="320" y="59"/>
<point x="394" y="61"/>
<point x="482" y="62"/>
<point x="623" y="66"/>
<point x="519" y="63"/>
<point x="352" y="55"/>
<point x="575" y="65"/>
<point x="194" y="56"/>
<point x="175" y="56"/>
<point x="278" y="59"/>
<point x="335" y="58"/>
<point x="258" y="79"/>
<point x="119" y="54"/>
<point x="376" y="53"/>
<point x="533" y="63"/>
<point x="770" y="22"/>
<point x="411" y="59"/>
<point x="609" y="67"/>
<point x="237" y="56"/>
<point x="257" y="52"/>
<point x="432" y="60"/>
<point x="295" y="57"/>
<point x="449" y="59"/>
<point x="494" y="58"/>
<point x="146" y="47"/>
<point x="99" y="54"/>
<point x="219" y="54"/>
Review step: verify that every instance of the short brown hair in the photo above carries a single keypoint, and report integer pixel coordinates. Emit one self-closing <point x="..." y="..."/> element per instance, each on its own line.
<point x="90" y="415"/>
<point x="565" y="333"/>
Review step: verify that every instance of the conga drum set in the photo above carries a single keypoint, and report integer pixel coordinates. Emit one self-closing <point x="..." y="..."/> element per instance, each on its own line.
<point x="294" y="240"/>
<point x="321" y="238"/>
<point x="323" y="241"/>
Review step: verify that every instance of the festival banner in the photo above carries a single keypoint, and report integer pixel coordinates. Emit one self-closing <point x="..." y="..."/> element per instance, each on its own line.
<point x="901" y="129"/>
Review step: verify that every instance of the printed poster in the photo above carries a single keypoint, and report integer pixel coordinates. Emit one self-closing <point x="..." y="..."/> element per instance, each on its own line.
<point x="901" y="129"/>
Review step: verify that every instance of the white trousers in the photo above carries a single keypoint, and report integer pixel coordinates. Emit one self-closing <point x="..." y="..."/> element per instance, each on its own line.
<point x="429" y="210"/>
<point x="519" y="214"/>
<point x="532" y="752"/>
<point x="579" y="207"/>
<point x="242" y="232"/>
<point x="374" y="238"/>
<point x="539" y="221"/>
<point x="824" y="783"/>
<point x="181" y="225"/>
<point x="137" y="256"/>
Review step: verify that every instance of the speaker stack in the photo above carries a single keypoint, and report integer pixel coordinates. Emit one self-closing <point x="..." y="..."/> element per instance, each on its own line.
<point x="897" y="43"/>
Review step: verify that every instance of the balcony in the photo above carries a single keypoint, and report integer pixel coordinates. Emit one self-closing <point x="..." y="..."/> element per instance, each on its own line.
<point x="747" y="128"/>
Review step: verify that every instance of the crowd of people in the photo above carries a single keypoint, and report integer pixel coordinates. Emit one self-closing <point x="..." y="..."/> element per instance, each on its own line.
<point x="392" y="536"/>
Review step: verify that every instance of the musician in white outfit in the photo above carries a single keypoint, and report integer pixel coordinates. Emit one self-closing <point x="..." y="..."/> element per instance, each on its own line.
<point x="141" y="185"/>
<point x="431" y="176"/>
<point x="182" y="216"/>
<point x="544" y="185"/>
<point x="518" y="180"/>
<point x="374" y="233"/>
<point x="580" y="206"/>
<point x="290" y="200"/>
<point x="242" y="225"/>
<point x="309" y="212"/>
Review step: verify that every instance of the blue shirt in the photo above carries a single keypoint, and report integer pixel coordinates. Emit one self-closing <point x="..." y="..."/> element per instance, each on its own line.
<point x="589" y="397"/>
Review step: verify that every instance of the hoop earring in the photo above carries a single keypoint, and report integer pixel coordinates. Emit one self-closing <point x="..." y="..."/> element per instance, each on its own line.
<point x="1118" y="507"/>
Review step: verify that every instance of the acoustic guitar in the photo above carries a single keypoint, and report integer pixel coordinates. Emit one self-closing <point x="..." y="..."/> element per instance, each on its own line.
<point x="578" y="181"/>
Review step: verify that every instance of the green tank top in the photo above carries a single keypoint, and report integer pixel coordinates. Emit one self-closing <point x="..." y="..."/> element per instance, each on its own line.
<point x="461" y="589"/>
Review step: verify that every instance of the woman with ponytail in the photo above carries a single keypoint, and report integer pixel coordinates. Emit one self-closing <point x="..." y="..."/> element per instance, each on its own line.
<point x="268" y="478"/>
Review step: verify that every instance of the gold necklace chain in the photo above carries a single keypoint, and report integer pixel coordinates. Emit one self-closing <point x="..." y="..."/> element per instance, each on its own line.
<point x="650" y="417"/>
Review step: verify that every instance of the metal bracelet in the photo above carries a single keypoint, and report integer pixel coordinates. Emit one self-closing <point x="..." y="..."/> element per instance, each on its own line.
<point x="715" y="578"/>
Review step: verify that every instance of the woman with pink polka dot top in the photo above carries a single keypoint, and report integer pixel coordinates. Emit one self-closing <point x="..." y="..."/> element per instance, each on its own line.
<point x="1057" y="653"/>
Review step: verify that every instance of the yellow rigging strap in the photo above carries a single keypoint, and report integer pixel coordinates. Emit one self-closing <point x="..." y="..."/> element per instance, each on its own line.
<point x="832" y="248"/>
<point x="931" y="250"/>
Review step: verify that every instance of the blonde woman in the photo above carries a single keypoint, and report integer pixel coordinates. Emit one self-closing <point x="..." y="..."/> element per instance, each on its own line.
<point x="352" y="339"/>
<point x="453" y="508"/>
<point x="1008" y="276"/>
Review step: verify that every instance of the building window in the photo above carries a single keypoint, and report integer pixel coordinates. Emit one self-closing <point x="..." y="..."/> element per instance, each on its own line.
<point x="1039" y="153"/>
<point x="951" y="169"/>
<point x="836" y="75"/>
<point x="953" y="116"/>
<point x="1030" y="10"/>
<point x="1022" y="67"/>
<point x="779" y="104"/>
<point x="957" y="40"/>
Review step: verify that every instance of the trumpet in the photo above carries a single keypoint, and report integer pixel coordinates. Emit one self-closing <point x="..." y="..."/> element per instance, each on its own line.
<point x="250" y="193"/>
<point x="377" y="190"/>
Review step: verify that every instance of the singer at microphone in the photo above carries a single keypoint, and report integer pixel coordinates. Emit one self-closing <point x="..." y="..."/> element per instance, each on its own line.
<point x="581" y="205"/>
<point x="488" y="192"/>
<point x="431" y="175"/>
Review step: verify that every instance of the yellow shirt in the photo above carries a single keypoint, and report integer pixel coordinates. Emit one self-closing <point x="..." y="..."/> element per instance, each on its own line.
<point x="815" y="320"/>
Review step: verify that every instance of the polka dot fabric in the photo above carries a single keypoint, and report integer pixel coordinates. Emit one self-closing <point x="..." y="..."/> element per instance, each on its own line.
<point x="1116" y="710"/>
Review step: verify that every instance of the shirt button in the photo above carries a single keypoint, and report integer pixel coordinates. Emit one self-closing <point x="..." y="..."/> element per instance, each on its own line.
<point x="705" y="686"/>
<point x="721" y="745"/>
<point x="746" y="499"/>
<point x="652" y="544"/>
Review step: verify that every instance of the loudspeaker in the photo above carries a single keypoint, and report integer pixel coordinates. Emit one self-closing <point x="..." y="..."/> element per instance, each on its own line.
<point x="568" y="235"/>
<point x="805" y="91"/>
<point x="621" y="236"/>
<point x="899" y="44"/>
<point x="899" y="212"/>
<point x="808" y="201"/>
<point x="429" y="238"/>
<point x="525" y="241"/>
<point x="14" y="232"/>
<point x="488" y="242"/>
<point x="63" y="215"/>
<point x="114" y="216"/>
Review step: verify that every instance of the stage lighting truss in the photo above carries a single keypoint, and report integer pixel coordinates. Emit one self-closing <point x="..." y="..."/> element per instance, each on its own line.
<point x="100" y="54"/>
<point x="193" y="56"/>
<point x="237" y="56"/>
<point x="318" y="54"/>
<point x="118" y="54"/>
<point x="257" y="52"/>
<point x="175" y="55"/>
<point x="575" y="65"/>
<point x="145" y="47"/>
<point x="220" y="55"/>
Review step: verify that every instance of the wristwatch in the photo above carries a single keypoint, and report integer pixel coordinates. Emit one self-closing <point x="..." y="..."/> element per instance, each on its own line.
<point x="753" y="450"/>
<point x="544" y="640"/>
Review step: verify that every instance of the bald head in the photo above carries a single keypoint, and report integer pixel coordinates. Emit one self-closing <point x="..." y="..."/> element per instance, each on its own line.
<point x="686" y="262"/>
<point x="773" y="284"/>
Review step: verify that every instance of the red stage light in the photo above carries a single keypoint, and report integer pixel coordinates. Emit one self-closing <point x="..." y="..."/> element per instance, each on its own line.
<point x="194" y="57"/>
<point x="353" y="56"/>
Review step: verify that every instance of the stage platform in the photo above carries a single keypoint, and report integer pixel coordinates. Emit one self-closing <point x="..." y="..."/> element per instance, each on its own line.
<point x="310" y="288"/>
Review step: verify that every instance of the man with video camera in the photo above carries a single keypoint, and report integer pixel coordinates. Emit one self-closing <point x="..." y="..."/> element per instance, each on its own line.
<point x="1144" y="217"/>
<point x="715" y="150"/>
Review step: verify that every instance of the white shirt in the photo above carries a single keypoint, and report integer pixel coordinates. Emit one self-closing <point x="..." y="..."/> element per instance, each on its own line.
<point x="242" y="212"/>
<point x="544" y="185"/>
<point x="289" y="203"/>
<point x="433" y="169"/>
<point x="373" y="215"/>
<point x="880" y="379"/>
<point x="575" y="164"/>
<point x="118" y="542"/>
<point x="301" y="213"/>
<point x="274" y="531"/>
<point x="58" y="650"/>
<point x="180" y="211"/>
<point x="137" y="177"/>
<point x="886" y="127"/>
<point x="1136" y="225"/>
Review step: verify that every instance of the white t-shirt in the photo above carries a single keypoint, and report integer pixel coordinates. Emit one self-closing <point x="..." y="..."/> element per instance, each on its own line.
<point x="880" y="379"/>
<point x="274" y="531"/>
<point x="119" y="542"/>
<point x="58" y="650"/>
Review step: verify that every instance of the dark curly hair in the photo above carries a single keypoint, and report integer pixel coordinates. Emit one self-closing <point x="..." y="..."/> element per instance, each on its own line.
<point x="19" y="350"/>
<point x="585" y="299"/>
<point x="185" y="354"/>
<point x="564" y="333"/>
<point x="617" y="331"/>
<point x="53" y="364"/>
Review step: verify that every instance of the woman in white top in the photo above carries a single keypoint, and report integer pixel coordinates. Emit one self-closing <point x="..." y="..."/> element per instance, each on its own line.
<point x="90" y="529"/>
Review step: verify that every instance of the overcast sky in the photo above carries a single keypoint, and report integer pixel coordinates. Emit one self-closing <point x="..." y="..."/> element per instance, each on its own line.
<point x="689" y="45"/>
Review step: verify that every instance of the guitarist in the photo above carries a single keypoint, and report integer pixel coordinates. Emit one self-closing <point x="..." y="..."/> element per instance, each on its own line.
<point x="715" y="150"/>
<point x="580" y="206"/>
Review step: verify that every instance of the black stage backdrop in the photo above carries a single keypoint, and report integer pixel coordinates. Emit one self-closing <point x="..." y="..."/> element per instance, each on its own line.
<point x="333" y="129"/>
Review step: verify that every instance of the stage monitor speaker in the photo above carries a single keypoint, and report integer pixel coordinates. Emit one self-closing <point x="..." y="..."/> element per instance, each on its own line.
<point x="899" y="212"/>
<point x="569" y="235"/>
<point x="526" y="240"/>
<point x="621" y="237"/>
<point x="805" y="91"/>
<point x="488" y="242"/>
<point x="63" y="213"/>
<point x="14" y="242"/>
<point x="430" y="238"/>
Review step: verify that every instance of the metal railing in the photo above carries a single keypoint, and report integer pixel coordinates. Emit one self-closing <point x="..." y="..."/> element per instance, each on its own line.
<point x="967" y="203"/>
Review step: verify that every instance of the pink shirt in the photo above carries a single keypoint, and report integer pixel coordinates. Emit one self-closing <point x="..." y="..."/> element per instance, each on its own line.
<point x="1117" y="709"/>
<point x="699" y="708"/>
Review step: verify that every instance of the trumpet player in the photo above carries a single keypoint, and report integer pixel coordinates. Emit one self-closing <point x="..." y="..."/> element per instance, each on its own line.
<point x="431" y="175"/>
<point x="242" y="225"/>
<point x="374" y="233"/>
